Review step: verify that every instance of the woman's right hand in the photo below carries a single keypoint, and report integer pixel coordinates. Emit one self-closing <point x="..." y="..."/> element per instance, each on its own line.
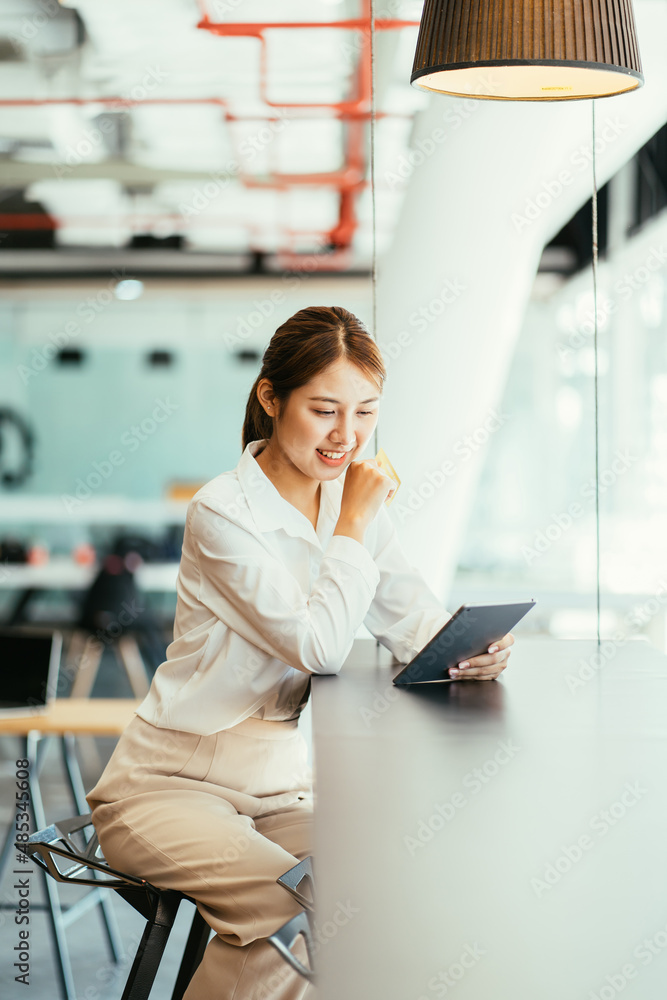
<point x="365" y="489"/>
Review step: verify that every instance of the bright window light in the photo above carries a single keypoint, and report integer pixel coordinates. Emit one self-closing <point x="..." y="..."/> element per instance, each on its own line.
<point x="129" y="289"/>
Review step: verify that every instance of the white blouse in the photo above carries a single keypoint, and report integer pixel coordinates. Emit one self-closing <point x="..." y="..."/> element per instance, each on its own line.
<point x="265" y="600"/>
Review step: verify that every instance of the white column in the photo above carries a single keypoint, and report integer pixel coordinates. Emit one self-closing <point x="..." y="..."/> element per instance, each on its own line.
<point x="496" y="181"/>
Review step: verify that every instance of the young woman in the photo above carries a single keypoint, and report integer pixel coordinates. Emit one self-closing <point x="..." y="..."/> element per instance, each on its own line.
<point x="208" y="790"/>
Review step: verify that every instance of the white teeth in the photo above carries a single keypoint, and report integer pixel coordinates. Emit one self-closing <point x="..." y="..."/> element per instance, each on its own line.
<point x="331" y="454"/>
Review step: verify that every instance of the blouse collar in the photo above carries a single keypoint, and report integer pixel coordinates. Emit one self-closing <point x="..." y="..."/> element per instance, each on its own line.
<point x="271" y="511"/>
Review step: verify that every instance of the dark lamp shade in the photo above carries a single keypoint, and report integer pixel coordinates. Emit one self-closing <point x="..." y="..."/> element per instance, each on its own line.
<point x="527" y="50"/>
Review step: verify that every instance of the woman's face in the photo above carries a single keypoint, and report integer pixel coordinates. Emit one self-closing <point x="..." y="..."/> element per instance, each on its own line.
<point x="335" y="412"/>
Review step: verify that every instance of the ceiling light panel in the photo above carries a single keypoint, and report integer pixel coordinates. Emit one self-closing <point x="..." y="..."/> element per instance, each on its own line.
<point x="89" y="213"/>
<point x="186" y="137"/>
<point x="313" y="146"/>
<point x="308" y="65"/>
<point x="310" y="210"/>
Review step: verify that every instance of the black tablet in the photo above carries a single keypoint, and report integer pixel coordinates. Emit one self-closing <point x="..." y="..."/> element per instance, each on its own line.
<point x="469" y="632"/>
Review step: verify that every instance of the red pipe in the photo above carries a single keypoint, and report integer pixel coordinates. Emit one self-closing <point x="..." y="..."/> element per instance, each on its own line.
<point x="26" y="220"/>
<point x="255" y="29"/>
<point x="40" y="220"/>
<point x="349" y="180"/>
<point x="27" y="102"/>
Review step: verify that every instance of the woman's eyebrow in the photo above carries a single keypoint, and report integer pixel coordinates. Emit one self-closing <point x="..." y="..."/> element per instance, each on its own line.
<point x="327" y="399"/>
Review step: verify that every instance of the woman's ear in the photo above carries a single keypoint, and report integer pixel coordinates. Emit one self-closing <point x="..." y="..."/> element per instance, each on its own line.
<point x="266" y="397"/>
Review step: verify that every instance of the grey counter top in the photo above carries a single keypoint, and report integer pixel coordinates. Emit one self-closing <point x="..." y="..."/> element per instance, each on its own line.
<point x="498" y="840"/>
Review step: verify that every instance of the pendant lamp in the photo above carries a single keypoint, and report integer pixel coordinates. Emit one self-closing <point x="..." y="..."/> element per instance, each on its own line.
<point x="527" y="50"/>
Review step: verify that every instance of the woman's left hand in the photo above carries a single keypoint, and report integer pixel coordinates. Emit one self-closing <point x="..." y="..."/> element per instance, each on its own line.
<point x="488" y="666"/>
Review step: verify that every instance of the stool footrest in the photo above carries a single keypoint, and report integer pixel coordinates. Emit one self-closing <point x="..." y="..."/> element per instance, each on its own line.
<point x="284" y="938"/>
<point x="66" y="857"/>
<point x="300" y="883"/>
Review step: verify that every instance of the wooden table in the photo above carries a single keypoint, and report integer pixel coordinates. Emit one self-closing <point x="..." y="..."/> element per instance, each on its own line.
<point x="67" y="719"/>
<point x="494" y="841"/>
<point x="79" y="716"/>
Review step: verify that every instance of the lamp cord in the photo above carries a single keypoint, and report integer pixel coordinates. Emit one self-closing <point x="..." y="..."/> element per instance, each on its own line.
<point x="373" y="226"/>
<point x="596" y="378"/>
<point x="373" y="208"/>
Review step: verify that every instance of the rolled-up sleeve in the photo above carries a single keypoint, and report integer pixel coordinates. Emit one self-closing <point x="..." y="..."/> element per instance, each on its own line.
<point x="251" y="590"/>
<point x="404" y="613"/>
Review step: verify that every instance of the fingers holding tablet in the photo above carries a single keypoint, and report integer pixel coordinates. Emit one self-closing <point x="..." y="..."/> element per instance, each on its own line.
<point x="467" y="646"/>
<point x="487" y="666"/>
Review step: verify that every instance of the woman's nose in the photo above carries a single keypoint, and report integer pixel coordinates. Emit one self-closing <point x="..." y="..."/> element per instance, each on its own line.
<point x="344" y="436"/>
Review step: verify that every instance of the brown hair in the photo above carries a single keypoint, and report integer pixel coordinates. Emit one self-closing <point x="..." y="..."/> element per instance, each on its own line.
<point x="306" y="344"/>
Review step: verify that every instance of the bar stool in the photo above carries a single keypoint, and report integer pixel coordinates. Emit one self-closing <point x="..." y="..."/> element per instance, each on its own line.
<point x="67" y="719"/>
<point x="299" y="882"/>
<point x="65" y="856"/>
<point x="56" y="851"/>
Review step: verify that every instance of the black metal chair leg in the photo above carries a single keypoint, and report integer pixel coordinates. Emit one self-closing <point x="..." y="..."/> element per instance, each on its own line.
<point x="194" y="952"/>
<point x="67" y="854"/>
<point x="151" y="948"/>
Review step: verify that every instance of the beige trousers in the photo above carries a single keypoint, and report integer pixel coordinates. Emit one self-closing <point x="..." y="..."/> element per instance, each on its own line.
<point x="218" y="817"/>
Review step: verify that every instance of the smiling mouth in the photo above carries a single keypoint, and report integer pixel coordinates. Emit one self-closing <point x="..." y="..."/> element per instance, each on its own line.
<point x="332" y="454"/>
